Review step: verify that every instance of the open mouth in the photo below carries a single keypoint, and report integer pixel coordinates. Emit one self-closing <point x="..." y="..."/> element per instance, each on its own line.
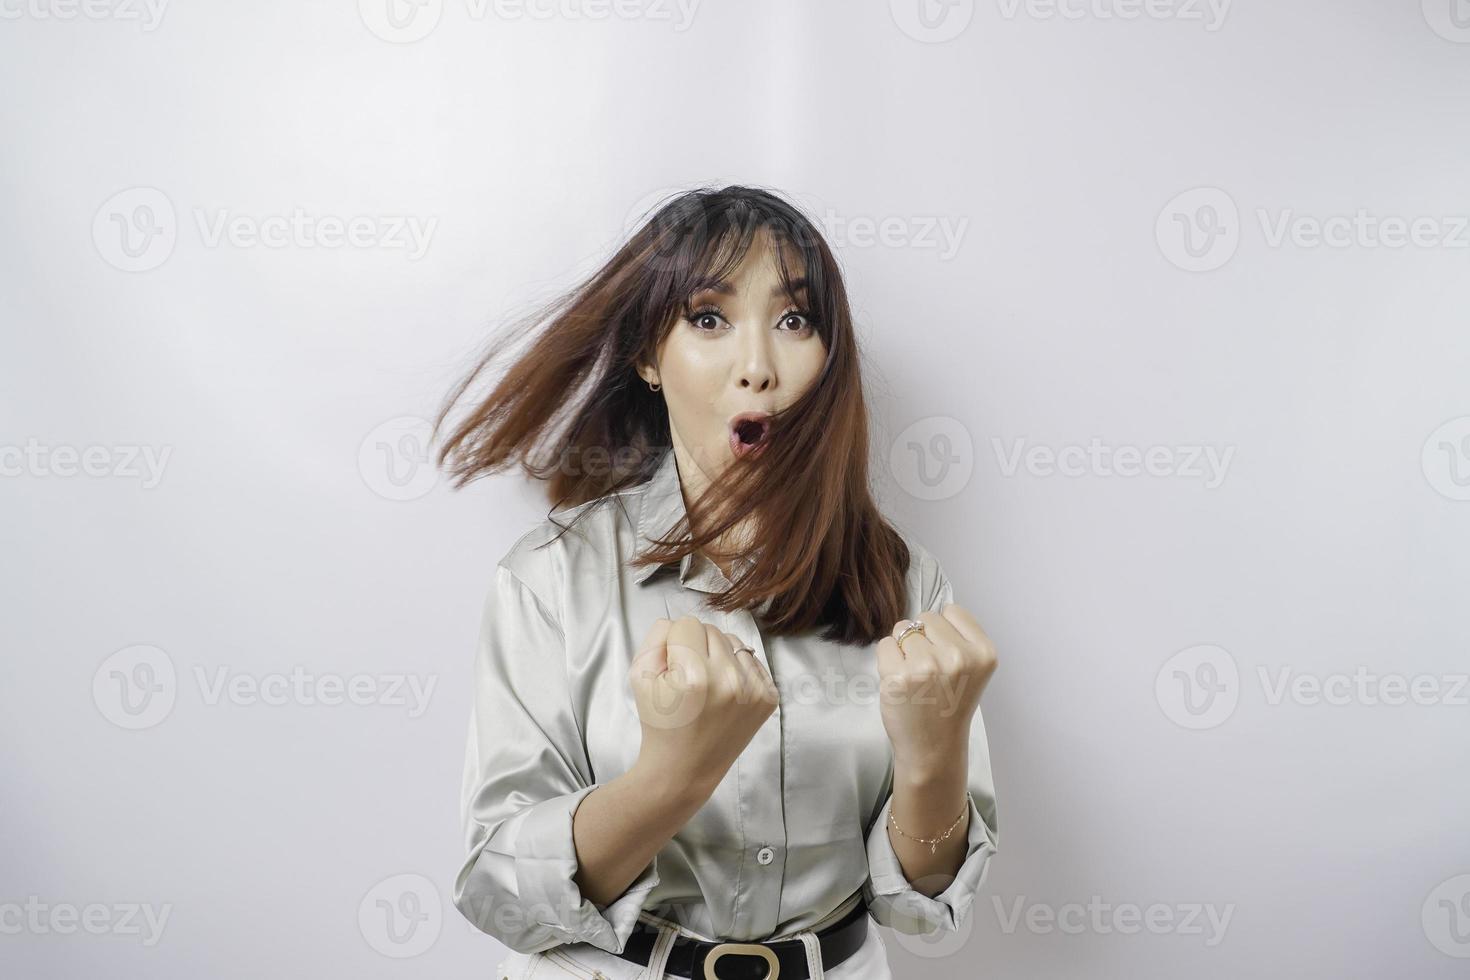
<point x="748" y="432"/>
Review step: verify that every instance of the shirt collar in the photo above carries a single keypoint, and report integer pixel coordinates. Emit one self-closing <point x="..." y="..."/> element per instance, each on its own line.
<point x="660" y="511"/>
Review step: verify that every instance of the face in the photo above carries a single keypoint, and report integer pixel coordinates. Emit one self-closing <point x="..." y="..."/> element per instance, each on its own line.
<point x="742" y="350"/>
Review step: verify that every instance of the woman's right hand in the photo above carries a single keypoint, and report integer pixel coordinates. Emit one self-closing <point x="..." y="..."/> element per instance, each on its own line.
<point x="699" y="701"/>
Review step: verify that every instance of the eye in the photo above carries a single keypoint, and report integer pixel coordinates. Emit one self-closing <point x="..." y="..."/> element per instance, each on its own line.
<point x="697" y="317"/>
<point x="804" y="320"/>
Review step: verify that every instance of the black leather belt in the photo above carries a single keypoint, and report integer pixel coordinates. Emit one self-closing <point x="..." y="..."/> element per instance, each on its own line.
<point x="784" y="959"/>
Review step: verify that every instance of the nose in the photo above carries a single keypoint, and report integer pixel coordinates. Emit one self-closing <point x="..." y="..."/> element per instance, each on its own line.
<point x="756" y="369"/>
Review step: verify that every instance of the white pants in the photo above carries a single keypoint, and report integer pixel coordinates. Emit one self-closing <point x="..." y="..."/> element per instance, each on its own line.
<point x="588" y="962"/>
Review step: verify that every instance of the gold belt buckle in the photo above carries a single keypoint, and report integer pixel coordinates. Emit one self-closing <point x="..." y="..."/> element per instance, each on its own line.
<point x="752" y="949"/>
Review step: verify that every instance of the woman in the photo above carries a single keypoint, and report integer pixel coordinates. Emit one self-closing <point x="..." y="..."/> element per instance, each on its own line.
<point x="724" y="712"/>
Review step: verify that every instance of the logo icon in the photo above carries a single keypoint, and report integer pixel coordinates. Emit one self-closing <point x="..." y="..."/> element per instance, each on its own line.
<point x="932" y="21"/>
<point x="401" y="916"/>
<point x="1446" y="917"/>
<point x="1450" y="19"/>
<point x="1199" y="230"/>
<point x="401" y="21"/>
<point x="938" y="943"/>
<point x="933" y="459"/>
<point x="136" y="687"/>
<point x="1198" y="687"/>
<point x="394" y="459"/>
<point x="1446" y="458"/>
<point x="135" y="230"/>
<point x="668" y="257"/>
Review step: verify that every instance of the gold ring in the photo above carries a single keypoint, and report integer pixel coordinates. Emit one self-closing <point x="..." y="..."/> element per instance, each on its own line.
<point x="914" y="626"/>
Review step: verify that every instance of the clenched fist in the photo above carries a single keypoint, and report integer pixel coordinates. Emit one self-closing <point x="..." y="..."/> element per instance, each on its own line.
<point x="700" y="700"/>
<point x="930" y="689"/>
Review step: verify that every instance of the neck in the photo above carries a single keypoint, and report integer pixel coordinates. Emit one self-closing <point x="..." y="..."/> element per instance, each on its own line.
<point x="692" y="483"/>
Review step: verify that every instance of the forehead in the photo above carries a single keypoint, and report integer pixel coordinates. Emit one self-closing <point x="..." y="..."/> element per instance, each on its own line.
<point x="758" y="273"/>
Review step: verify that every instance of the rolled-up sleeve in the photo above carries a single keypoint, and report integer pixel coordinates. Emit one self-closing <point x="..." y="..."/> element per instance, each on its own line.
<point x="892" y="899"/>
<point x="526" y="772"/>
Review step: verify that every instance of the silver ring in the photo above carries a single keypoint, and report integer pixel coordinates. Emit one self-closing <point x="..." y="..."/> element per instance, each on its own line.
<point x="744" y="649"/>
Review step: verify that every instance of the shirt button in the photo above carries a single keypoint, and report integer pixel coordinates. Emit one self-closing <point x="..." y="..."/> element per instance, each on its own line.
<point x="765" y="855"/>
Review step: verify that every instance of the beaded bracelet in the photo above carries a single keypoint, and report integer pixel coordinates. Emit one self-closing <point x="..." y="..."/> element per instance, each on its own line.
<point x="933" y="842"/>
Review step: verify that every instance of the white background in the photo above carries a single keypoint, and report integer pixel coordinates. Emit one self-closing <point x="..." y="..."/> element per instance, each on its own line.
<point x="290" y="523"/>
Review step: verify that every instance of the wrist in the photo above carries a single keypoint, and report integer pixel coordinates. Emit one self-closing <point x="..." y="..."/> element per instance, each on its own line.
<point x="929" y="768"/>
<point x="663" y="783"/>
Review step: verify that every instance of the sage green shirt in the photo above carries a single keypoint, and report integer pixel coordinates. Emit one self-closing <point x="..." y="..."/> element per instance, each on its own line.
<point x="794" y="834"/>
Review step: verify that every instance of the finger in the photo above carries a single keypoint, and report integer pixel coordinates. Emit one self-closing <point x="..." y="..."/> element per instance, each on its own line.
<point x="652" y="656"/>
<point x="914" y="643"/>
<point x="658" y="632"/>
<point x="966" y="624"/>
<point x="687" y="635"/>
<point x="755" y="676"/>
<point x="946" y="645"/>
<point x="740" y="653"/>
<point x="721" y="653"/>
<point x="716" y="641"/>
<point x="939" y="630"/>
<point x="890" y="659"/>
<point x="897" y="668"/>
<point x="687" y="651"/>
<point x="918" y="658"/>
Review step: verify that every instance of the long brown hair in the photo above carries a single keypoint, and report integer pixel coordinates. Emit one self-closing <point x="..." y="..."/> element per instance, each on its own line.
<point x="574" y="412"/>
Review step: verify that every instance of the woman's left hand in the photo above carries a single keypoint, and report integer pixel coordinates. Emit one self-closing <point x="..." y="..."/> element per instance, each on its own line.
<point x="930" y="689"/>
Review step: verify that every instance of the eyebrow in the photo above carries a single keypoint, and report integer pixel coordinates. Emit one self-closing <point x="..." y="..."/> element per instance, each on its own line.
<point x="725" y="289"/>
